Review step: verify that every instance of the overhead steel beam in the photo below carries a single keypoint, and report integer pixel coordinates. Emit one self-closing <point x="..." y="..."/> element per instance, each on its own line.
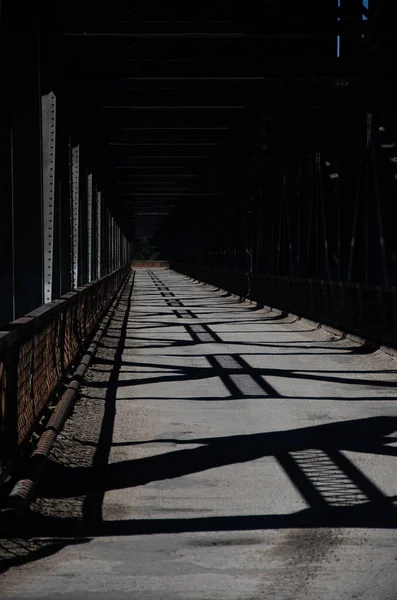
<point x="168" y="194"/>
<point x="188" y="78"/>
<point x="173" y="107"/>
<point x="175" y="128"/>
<point x="283" y="77"/>
<point x="175" y="176"/>
<point x="153" y="167"/>
<point x="366" y="71"/>
<point x="149" y="182"/>
<point x="164" y="143"/>
<point x="154" y="157"/>
<point x="350" y="29"/>
<point x="222" y="107"/>
<point x="168" y="189"/>
<point x="7" y="297"/>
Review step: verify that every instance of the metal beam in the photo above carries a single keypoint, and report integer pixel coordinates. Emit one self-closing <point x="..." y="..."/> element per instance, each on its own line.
<point x="7" y="309"/>
<point x="223" y="107"/>
<point x="154" y="157"/>
<point x="48" y="120"/>
<point x="157" y="194"/>
<point x="164" y="144"/>
<point x="172" y="107"/>
<point x="98" y="235"/>
<point x="90" y="226"/>
<point x="75" y="215"/>
<point x="25" y="102"/>
<point x="175" y="128"/>
<point x="349" y="29"/>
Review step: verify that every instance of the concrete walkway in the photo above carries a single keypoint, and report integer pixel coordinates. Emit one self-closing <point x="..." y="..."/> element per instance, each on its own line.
<point x="217" y="452"/>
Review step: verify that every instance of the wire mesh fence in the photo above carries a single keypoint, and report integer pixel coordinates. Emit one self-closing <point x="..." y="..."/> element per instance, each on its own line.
<point x="36" y="350"/>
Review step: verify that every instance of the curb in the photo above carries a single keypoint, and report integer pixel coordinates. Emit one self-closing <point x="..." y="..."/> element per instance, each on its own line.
<point x="22" y="492"/>
<point x="315" y="324"/>
<point x="343" y="334"/>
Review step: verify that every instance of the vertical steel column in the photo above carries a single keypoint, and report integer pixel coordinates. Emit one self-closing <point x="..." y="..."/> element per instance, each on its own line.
<point x="372" y="168"/>
<point x="57" y="274"/>
<point x="281" y="227"/>
<point x="110" y="235"/>
<point x="64" y="206"/>
<point x="89" y="217"/>
<point x="75" y="215"/>
<point x="319" y="175"/>
<point x="111" y="243"/>
<point x="311" y="233"/>
<point x="83" y="218"/>
<point x="353" y="240"/>
<point x="124" y="255"/>
<point x="25" y="103"/>
<point x="116" y="245"/>
<point x="48" y="104"/>
<point x="98" y="236"/>
<point x="299" y="220"/>
<point x="367" y="197"/>
<point x="351" y="17"/>
<point x="116" y="260"/>
<point x="106" y="242"/>
<point x="6" y="221"/>
<point x="119" y="245"/>
<point x="289" y="238"/>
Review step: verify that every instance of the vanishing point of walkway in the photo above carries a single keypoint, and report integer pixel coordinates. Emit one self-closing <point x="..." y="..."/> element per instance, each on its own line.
<point x="217" y="451"/>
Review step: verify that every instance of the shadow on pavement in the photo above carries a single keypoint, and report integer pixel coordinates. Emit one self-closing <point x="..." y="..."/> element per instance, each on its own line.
<point x="337" y="492"/>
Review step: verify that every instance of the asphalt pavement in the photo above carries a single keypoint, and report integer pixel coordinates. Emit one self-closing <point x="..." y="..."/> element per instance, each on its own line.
<point x="217" y="451"/>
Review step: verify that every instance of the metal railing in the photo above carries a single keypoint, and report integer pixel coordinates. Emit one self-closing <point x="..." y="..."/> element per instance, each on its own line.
<point x="35" y="352"/>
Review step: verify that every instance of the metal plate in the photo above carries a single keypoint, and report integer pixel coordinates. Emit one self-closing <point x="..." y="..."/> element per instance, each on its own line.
<point x="89" y="211"/>
<point x="48" y="115"/>
<point x="98" y="234"/>
<point x="111" y="242"/>
<point x="75" y="214"/>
